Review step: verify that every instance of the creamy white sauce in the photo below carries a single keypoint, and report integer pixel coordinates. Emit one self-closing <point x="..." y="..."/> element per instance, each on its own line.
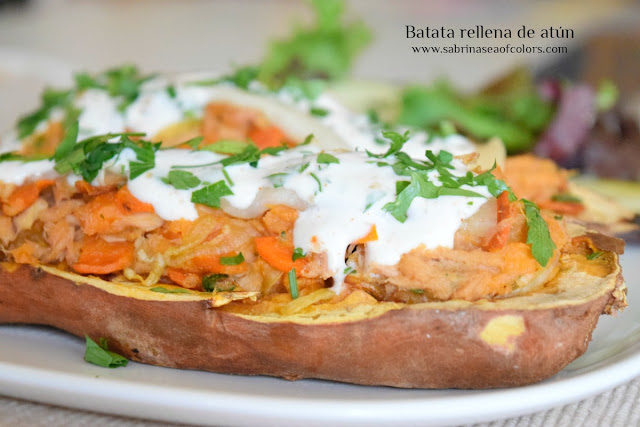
<point x="342" y="202"/>
<point x="151" y="112"/>
<point x="99" y="114"/>
<point x="17" y="172"/>
<point x="343" y="206"/>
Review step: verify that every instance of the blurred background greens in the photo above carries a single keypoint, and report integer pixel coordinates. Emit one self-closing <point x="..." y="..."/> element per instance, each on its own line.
<point x="580" y="108"/>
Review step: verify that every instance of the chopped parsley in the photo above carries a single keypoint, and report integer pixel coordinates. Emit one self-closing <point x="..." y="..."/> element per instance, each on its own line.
<point x="303" y="167"/>
<point x="538" y="236"/>
<point x="293" y="283"/>
<point x="226" y="147"/>
<point x="101" y="356"/>
<point x="87" y="157"/>
<point x="50" y="99"/>
<point x="315" y="177"/>
<point x="318" y="112"/>
<point x="420" y="186"/>
<point x="326" y="158"/>
<point x="194" y="143"/>
<point x="182" y="180"/>
<point x="211" y="194"/>
<point x="124" y="82"/>
<point x="397" y="142"/>
<point x="277" y="179"/>
<point x="232" y="260"/>
<point x="297" y="254"/>
<point x="307" y="140"/>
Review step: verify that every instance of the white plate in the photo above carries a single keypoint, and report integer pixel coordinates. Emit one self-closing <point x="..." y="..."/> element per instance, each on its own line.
<point x="46" y="365"/>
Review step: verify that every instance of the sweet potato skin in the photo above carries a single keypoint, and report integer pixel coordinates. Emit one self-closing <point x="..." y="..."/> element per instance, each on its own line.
<point x="413" y="347"/>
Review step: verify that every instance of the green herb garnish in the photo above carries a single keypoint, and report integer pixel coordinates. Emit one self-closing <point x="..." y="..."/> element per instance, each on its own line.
<point x="315" y="177"/>
<point x="210" y="283"/>
<point x="297" y="254"/>
<point x="182" y="180"/>
<point x="101" y="356"/>
<point x="318" y="112"/>
<point x="293" y="283"/>
<point x="211" y="194"/>
<point x="232" y="260"/>
<point x="226" y="147"/>
<point x="326" y="158"/>
<point x="124" y="82"/>
<point x="163" y="290"/>
<point x="538" y="236"/>
<point x="594" y="255"/>
<point x="86" y="157"/>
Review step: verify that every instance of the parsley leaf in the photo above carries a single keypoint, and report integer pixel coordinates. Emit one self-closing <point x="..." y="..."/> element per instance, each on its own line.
<point x="101" y="356"/>
<point x="182" y="180"/>
<point x="211" y="194"/>
<point x="67" y="143"/>
<point x="397" y="142"/>
<point x="194" y="143"/>
<point x="326" y="158"/>
<point x="50" y="99"/>
<point x="315" y="177"/>
<point x="145" y="156"/>
<point x="538" y="236"/>
<point x="87" y="157"/>
<point x="232" y="260"/>
<point x="420" y="186"/>
<point x="318" y="112"/>
<point x="226" y="146"/>
<point x="12" y="155"/>
<point x="297" y="254"/>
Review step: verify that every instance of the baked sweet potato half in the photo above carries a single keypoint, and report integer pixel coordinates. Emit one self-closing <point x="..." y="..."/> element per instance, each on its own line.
<point x="250" y="249"/>
<point x="453" y="344"/>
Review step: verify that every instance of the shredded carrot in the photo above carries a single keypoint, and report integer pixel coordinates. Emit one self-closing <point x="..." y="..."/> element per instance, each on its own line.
<point x="184" y="278"/>
<point x="501" y="236"/>
<point x="207" y="264"/>
<point x="98" y="256"/>
<point x="371" y="236"/>
<point x="97" y="216"/>
<point x="176" y="229"/>
<point x="24" y="196"/>
<point x="24" y="254"/>
<point x="130" y="204"/>
<point x="85" y="188"/>
<point x="269" y="136"/>
<point x="280" y="218"/>
<point x="277" y="253"/>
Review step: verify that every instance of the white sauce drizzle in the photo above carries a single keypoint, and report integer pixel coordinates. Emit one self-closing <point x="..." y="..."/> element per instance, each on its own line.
<point x="353" y="191"/>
